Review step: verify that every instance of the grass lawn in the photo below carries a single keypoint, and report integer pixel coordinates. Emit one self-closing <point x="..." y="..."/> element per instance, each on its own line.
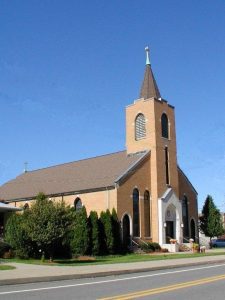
<point x="5" y="267"/>
<point x="112" y="259"/>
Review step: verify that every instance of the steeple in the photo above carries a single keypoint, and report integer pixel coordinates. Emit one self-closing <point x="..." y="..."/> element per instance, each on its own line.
<point x="149" y="87"/>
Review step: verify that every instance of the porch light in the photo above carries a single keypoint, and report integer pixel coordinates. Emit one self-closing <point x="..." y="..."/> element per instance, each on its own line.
<point x="182" y="225"/>
<point x="164" y="224"/>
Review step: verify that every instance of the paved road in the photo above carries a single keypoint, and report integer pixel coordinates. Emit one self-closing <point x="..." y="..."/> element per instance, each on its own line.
<point x="203" y="282"/>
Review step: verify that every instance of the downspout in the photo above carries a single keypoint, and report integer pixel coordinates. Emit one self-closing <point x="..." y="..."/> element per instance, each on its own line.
<point x="107" y="198"/>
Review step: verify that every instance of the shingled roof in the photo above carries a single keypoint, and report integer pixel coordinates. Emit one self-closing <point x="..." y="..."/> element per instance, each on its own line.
<point x="83" y="175"/>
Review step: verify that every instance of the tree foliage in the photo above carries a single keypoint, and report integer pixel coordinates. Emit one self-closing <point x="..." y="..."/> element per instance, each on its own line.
<point x="54" y="229"/>
<point x="210" y="220"/>
<point x="107" y="231"/>
<point x="17" y="236"/>
<point x="80" y="233"/>
<point x="40" y="229"/>
<point x="94" y="233"/>
<point x="116" y="232"/>
<point x="47" y="224"/>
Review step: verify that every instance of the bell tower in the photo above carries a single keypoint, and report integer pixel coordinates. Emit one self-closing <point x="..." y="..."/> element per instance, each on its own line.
<point x="150" y="125"/>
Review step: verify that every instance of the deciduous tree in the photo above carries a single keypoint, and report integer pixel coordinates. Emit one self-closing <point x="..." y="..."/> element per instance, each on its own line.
<point x="48" y="223"/>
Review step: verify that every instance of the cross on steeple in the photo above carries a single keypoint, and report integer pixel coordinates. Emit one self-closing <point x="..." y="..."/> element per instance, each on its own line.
<point x="147" y="56"/>
<point x="25" y="166"/>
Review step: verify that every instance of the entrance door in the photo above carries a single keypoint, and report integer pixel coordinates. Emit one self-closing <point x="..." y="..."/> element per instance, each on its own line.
<point x="126" y="231"/>
<point x="169" y="231"/>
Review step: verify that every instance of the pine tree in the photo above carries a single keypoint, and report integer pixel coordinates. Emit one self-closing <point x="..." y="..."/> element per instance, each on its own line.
<point x="106" y="221"/>
<point x="94" y="244"/>
<point x="210" y="220"/>
<point x="116" y="232"/>
<point x="102" y="235"/>
<point x="80" y="234"/>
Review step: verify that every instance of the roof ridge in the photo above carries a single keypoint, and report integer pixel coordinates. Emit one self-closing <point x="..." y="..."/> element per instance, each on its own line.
<point x="79" y="160"/>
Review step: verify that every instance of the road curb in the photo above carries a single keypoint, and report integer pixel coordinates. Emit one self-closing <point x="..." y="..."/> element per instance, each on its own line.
<point x="102" y="274"/>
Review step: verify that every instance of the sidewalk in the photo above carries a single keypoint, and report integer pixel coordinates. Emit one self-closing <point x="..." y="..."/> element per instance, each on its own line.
<point x="27" y="273"/>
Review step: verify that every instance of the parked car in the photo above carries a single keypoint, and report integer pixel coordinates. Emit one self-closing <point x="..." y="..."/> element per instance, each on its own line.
<point x="217" y="243"/>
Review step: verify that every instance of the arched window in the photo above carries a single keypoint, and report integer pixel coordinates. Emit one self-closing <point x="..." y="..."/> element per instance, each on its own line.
<point x="77" y="204"/>
<point x="140" y="130"/>
<point x="185" y="219"/>
<point x="136" y="226"/>
<point x="165" y="126"/>
<point x="147" y="214"/>
<point x="167" y="165"/>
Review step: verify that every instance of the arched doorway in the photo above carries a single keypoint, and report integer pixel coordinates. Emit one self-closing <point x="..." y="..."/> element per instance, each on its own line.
<point x="193" y="229"/>
<point x="170" y="224"/>
<point x="126" y="231"/>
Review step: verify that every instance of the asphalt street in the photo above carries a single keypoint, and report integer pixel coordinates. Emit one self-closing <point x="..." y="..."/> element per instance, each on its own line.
<point x="202" y="282"/>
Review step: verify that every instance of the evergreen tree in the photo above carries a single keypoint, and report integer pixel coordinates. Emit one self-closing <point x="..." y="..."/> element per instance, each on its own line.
<point x="102" y="235"/>
<point x="106" y="221"/>
<point x="116" y="232"/>
<point x="80" y="233"/>
<point x="210" y="220"/>
<point x="94" y="247"/>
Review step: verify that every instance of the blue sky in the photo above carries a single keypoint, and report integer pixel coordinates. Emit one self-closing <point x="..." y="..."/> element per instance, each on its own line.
<point x="69" y="68"/>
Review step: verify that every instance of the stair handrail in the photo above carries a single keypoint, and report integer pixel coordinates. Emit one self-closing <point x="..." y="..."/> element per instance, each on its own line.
<point x="132" y="241"/>
<point x="143" y="242"/>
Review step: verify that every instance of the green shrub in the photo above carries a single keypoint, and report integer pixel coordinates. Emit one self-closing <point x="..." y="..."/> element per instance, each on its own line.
<point x="156" y="246"/>
<point x="42" y="228"/>
<point x="150" y="247"/>
<point x="47" y="224"/>
<point x="94" y="239"/>
<point x="116" y="232"/>
<point x="107" y="232"/>
<point x="4" y="247"/>
<point x="146" y="247"/>
<point x="17" y="237"/>
<point x="80" y="233"/>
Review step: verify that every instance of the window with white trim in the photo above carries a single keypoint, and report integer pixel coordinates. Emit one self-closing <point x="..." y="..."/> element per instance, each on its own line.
<point x="77" y="204"/>
<point x="140" y="129"/>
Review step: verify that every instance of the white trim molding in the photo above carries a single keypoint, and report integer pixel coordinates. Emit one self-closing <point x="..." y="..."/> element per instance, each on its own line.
<point x="170" y="200"/>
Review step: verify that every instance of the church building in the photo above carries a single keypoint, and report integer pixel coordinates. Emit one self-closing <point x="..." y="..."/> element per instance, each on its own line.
<point x="154" y="199"/>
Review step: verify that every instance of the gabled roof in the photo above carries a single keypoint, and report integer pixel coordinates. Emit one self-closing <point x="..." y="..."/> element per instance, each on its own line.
<point x="80" y="176"/>
<point x="149" y="88"/>
<point x="191" y="185"/>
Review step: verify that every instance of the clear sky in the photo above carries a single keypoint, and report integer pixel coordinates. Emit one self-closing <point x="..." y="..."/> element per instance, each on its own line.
<point x="69" y="68"/>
